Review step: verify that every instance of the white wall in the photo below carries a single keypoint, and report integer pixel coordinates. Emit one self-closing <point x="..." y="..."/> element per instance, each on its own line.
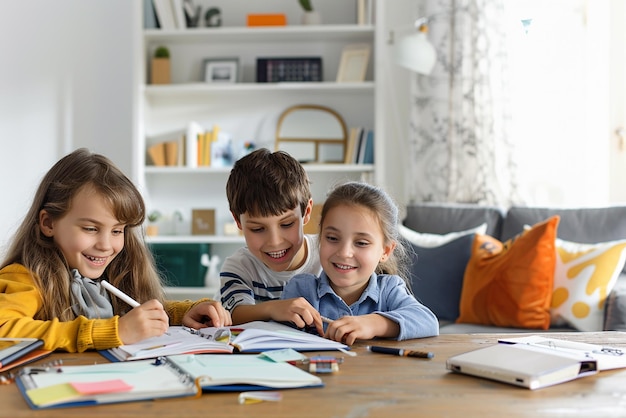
<point x="66" y="81"/>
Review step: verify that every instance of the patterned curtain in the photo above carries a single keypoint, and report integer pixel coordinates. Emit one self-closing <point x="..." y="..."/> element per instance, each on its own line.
<point x="459" y="117"/>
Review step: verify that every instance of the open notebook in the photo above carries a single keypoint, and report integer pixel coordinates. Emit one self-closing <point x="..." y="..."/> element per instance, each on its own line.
<point x="175" y="376"/>
<point x="96" y="384"/>
<point x="252" y="337"/>
<point x="607" y="357"/>
<point x="227" y="373"/>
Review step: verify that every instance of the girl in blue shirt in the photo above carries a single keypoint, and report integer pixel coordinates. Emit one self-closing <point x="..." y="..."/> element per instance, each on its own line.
<point x="361" y="288"/>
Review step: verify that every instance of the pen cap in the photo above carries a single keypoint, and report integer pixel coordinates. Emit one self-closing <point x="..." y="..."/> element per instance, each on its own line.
<point x="420" y="354"/>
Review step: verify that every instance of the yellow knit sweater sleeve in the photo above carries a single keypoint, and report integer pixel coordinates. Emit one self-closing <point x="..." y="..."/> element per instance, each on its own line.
<point x="21" y="300"/>
<point x="176" y="309"/>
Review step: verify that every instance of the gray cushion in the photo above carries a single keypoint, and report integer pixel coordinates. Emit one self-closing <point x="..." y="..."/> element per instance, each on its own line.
<point x="437" y="275"/>
<point x="489" y="329"/>
<point x="443" y="218"/>
<point x="584" y="225"/>
<point x="615" y="313"/>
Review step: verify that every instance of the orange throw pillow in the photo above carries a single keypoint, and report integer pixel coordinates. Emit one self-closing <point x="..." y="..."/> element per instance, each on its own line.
<point x="510" y="284"/>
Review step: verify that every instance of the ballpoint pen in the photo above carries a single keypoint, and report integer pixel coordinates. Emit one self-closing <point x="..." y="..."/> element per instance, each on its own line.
<point x="400" y="352"/>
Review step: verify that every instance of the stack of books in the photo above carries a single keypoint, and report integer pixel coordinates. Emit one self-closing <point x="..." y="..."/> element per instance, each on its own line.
<point x="360" y="147"/>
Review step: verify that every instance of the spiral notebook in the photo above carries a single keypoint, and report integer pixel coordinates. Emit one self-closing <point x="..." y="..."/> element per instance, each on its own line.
<point x="216" y="372"/>
<point x="71" y="386"/>
<point x="252" y="337"/>
<point x="165" y="377"/>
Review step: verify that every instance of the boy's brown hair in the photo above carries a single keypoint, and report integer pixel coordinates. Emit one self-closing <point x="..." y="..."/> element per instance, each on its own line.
<point x="265" y="183"/>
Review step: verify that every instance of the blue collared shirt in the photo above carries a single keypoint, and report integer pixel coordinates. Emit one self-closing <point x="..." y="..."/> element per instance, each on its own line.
<point x="385" y="294"/>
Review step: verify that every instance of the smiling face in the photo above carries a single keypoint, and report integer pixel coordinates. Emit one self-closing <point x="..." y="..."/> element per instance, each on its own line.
<point x="351" y="246"/>
<point x="88" y="235"/>
<point x="278" y="241"/>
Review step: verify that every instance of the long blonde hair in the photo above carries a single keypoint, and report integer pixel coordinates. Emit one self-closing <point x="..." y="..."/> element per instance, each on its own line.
<point x="133" y="270"/>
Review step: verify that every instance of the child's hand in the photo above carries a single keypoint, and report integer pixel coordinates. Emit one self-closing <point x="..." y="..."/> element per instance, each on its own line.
<point x="297" y="311"/>
<point x="207" y="314"/>
<point x="146" y="320"/>
<point x="348" y="329"/>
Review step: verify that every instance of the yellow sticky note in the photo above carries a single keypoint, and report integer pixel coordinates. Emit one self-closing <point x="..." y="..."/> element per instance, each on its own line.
<point x="52" y="394"/>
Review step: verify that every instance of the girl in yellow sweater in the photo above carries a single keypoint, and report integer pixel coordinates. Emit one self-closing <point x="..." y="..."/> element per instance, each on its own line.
<point x="85" y="225"/>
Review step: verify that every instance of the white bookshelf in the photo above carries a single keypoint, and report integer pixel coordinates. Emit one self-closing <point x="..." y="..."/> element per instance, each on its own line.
<point x="246" y="109"/>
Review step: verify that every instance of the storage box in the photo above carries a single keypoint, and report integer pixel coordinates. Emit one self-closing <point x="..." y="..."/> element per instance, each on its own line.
<point x="180" y="263"/>
<point x="277" y="19"/>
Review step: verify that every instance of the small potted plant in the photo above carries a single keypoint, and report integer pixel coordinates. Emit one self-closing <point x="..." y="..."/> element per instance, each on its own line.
<point x="310" y="16"/>
<point x="179" y="222"/>
<point x="306" y="5"/>
<point x="160" y="68"/>
<point x="152" y="229"/>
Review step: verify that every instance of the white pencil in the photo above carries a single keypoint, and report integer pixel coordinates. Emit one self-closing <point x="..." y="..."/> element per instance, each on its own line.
<point x="117" y="292"/>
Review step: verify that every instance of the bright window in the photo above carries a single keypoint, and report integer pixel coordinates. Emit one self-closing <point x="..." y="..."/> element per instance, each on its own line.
<point x="559" y="108"/>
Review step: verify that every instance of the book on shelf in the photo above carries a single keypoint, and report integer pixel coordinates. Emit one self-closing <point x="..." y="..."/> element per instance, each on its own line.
<point x="157" y="154"/>
<point x="179" y="14"/>
<point x="349" y="157"/>
<point x="165" y="153"/>
<point x="192" y="135"/>
<point x="522" y="365"/>
<point x="165" y="14"/>
<point x="17" y="351"/>
<point x="252" y="337"/>
<point x="204" y="146"/>
<point x="367" y="156"/>
<point x="364" y="12"/>
<point x="361" y="153"/>
<point x="166" y="148"/>
<point x="149" y="15"/>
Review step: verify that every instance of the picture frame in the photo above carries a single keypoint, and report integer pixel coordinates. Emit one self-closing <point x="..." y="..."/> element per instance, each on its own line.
<point x="220" y="70"/>
<point x="353" y="64"/>
<point x="203" y="222"/>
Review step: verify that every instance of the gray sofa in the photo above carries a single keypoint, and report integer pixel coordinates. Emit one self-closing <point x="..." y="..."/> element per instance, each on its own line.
<point x="437" y="273"/>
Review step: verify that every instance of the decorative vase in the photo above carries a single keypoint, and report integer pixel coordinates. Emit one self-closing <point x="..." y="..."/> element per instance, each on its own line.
<point x="152" y="230"/>
<point x="311" y="18"/>
<point x="160" y="71"/>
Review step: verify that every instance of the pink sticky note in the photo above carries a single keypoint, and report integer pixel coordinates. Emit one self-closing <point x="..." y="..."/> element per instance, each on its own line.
<point x="105" y="386"/>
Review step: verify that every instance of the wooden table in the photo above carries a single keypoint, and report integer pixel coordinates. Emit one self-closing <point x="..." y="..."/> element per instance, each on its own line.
<point x="381" y="385"/>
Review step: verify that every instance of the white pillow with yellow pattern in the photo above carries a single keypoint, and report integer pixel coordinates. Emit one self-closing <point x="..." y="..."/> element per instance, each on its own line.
<point x="584" y="276"/>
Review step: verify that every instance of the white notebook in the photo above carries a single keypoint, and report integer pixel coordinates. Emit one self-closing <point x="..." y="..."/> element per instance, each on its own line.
<point x="251" y="337"/>
<point x="607" y="357"/>
<point x="243" y="372"/>
<point x="522" y="365"/>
